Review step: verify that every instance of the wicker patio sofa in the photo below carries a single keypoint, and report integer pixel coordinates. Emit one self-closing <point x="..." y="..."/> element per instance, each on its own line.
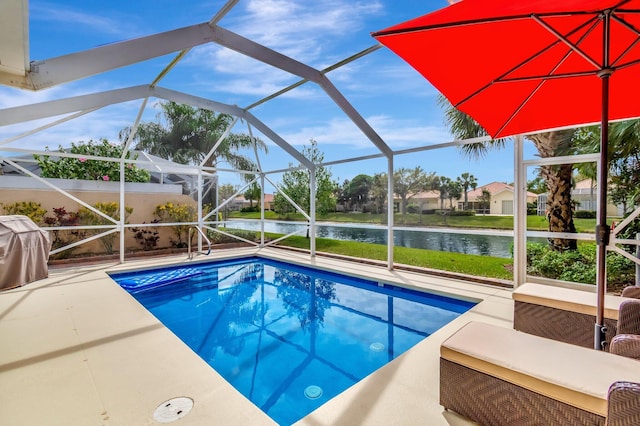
<point x="495" y="375"/>
<point x="568" y="315"/>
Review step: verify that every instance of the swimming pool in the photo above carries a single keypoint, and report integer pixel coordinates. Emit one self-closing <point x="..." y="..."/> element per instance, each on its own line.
<point x="288" y="337"/>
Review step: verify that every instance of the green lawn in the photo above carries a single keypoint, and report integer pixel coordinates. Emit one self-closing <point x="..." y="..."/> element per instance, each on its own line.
<point x="482" y="266"/>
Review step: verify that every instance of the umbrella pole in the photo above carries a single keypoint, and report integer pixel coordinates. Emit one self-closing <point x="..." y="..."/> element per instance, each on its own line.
<point x="603" y="230"/>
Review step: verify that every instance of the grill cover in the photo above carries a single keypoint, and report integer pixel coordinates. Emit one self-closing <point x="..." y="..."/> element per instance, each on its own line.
<point x="24" y="251"/>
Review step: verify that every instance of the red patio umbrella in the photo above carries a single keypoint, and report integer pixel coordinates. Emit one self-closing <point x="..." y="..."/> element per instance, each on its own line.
<point x="521" y="67"/>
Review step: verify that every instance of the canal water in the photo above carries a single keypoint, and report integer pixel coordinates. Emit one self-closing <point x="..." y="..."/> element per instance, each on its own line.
<point x="423" y="238"/>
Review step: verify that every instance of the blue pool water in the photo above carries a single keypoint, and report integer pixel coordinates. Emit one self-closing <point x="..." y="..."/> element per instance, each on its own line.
<point x="287" y="337"/>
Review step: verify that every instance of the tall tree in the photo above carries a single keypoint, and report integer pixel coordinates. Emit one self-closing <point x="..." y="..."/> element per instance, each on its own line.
<point x="625" y="164"/>
<point x="358" y="190"/>
<point x="442" y="185"/>
<point x="378" y="192"/>
<point x="225" y="192"/>
<point x="340" y="192"/>
<point x="407" y="183"/>
<point x="537" y="185"/>
<point x="454" y="192"/>
<point x="467" y="180"/>
<point x="485" y="200"/>
<point x="252" y="193"/>
<point x="296" y="183"/>
<point x="557" y="178"/>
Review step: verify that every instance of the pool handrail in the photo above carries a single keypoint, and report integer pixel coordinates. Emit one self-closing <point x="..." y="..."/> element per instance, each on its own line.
<point x="189" y="254"/>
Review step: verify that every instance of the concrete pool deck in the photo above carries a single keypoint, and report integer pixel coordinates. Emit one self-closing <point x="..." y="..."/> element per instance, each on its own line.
<point x="78" y="350"/>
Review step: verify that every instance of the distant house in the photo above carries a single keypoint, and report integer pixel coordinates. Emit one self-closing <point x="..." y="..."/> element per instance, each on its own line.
<point x="427" y="200"/>
<point x="584" y="195"/>
<point x="240" y="202"/>
<point x="500" y="201"/>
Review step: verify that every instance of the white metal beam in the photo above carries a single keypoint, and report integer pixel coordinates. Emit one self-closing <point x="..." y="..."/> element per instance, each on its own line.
<point x="265" y="130"/>
<point x="268" y="56"/>
<point x="390" y="211"/>
<point x="223" y="11"/>
<point x="66" y="68"/>
<point x="74" y="104"/>
<point x="219" y="141"/>
<point x="324" y="71"/>
<point x="96" y="100"/>
<point x="519" y="214"/>
<point x="196" y="101"/>
<point x="46" y="126"/>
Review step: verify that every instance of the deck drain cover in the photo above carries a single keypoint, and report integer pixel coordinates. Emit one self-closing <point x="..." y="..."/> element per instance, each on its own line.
<point x="313" y="392"/>
<point x="173" y="409"/>
<point x="376" y="347"/>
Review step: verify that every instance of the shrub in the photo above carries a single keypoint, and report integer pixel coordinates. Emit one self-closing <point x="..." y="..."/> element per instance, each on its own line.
<point x="429" y="211"/>
<point x="578" y="265"/>
<point x="82" y="168"/>
<point x="111" y="209"/>
<point x="63" y="237"/>
<point x="171" y="212"/>
<point x="412" y="208"/>
<point x="218" y="238"/>
<point x="147" y="237"/>
<point x="584" y="214"/>
<point x="630" y="232"/>
<point x="250" y="209"/>
<point x="31" y="209"/>
<point x="462" y="213"/>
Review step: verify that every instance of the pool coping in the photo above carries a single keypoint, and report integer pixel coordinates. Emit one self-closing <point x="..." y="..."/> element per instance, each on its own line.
<point x="75" y="334"/>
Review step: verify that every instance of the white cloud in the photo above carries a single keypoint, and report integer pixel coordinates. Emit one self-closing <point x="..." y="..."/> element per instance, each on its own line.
<point x="302" y="29"/>
<point x="69" y="17"/>
<point x="396" y="133"/>
<point x="306" y="32"/>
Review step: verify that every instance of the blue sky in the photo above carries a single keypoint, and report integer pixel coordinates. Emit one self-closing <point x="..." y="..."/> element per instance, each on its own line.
<point x="396" y="101"/>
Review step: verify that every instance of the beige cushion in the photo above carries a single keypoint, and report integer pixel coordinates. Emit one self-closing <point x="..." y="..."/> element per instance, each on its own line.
<point x="567" y="299"/>
<point x="572" y="374"/>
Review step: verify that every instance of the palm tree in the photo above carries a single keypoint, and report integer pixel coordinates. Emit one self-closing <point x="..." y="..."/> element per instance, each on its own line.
<point x="467" y="180"/>
<point x="190" y="133"/>
<point x="252" y="193"/>
<point x="454" y="192"/>
<point x="442" y="185"/>
<point x="557" y="178"/>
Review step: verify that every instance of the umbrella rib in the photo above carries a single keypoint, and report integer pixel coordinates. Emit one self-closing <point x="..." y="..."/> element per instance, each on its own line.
<point x="517" y="110"/>
<point x="564" y="40"/>
<point x="547" y="77"/>
<point x="631" y="28"/>
<point x="552" y="76"/>
<point x="502" y="78"/>
<point x="628" y="64"/>
<point x="472" y="22"/>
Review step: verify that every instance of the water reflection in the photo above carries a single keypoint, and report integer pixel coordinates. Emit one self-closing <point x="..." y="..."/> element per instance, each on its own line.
<point x="484" y="245"/>
<point x="305" y="297"/>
